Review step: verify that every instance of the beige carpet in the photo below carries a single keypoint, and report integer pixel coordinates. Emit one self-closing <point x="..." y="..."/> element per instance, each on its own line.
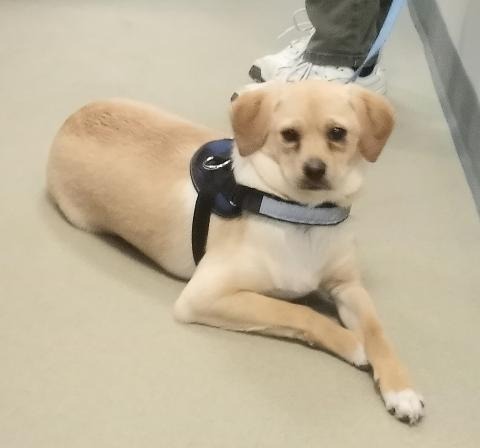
<point x="89" y="353"/>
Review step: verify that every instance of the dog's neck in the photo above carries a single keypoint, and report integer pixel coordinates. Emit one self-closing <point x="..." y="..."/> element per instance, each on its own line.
<point x="259" y="171"/>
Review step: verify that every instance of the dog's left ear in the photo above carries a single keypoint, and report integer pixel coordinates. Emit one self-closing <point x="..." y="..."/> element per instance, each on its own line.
<point x="376" y="118"/>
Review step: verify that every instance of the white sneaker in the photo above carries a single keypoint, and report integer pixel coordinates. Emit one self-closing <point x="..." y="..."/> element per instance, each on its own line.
<point x="272" y="66"/>
<point x="267" y="67"/>
<point x="288" y="65"/>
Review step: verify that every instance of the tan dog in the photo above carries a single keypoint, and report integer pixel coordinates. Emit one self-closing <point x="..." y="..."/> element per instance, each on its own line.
<point x="122" y="167"/>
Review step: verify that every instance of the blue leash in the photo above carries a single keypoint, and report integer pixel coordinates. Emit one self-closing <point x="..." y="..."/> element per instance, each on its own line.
<point x="382" y="37"/>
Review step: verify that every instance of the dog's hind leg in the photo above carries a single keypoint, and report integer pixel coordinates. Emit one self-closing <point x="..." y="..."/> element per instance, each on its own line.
<point x="75" y="216"/>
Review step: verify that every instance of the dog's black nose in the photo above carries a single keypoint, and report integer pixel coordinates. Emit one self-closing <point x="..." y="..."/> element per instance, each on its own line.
<point x="314" y="169"/>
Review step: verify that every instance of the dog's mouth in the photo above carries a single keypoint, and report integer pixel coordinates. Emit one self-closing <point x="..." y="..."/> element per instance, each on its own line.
<point x="322" y="185"/>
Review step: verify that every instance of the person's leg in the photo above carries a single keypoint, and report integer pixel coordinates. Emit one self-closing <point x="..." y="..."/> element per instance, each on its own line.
<point x="344" y="30"/>
<point x="341" y="35"/>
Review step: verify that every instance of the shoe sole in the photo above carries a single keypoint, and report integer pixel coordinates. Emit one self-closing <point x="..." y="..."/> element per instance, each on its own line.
<point x="256" y="73"/>
<point x="378" y="86"/>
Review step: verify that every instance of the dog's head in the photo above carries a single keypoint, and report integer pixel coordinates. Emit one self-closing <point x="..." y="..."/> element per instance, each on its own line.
<point x="307" y="140"/>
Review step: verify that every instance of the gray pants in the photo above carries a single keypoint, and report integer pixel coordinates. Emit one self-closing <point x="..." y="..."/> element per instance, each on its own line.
<point x="344" y="30"/>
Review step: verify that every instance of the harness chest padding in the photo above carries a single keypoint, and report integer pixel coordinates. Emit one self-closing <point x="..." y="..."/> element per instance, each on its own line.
<point x="211" y="186"/>
<point x="216" y="183"/>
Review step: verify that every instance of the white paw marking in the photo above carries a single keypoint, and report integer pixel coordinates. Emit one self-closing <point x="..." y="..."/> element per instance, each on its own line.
<point x="407" y="405"/>
<point x="359" y="357"/>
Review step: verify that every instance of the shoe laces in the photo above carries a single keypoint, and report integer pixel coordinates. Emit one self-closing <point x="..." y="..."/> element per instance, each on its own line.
<point x="299" y="72"/>
<point x="302" y="27"/>
<point x="303" y="69"/>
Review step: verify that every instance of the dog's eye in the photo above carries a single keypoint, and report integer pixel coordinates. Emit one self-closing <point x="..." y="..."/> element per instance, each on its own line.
<point x="336" y="134"/>
<point x="290" y="135"/>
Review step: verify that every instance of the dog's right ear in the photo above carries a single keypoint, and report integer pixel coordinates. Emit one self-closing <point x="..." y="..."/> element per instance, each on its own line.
<point x="251" y="112"/>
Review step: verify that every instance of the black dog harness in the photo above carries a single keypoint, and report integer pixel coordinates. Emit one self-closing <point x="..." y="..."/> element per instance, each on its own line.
<point x="212" y="175"/>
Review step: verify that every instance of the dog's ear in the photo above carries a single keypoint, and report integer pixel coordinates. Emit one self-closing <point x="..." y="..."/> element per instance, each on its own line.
<point x="250" y="117"/>
<point x="376" y="118"/>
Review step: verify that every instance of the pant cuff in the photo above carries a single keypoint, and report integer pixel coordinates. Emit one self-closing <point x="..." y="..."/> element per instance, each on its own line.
<point x="340" y="60"/>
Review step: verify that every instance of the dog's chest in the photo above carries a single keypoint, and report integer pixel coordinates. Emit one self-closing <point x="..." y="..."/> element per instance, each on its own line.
<point x="298" y="257"/>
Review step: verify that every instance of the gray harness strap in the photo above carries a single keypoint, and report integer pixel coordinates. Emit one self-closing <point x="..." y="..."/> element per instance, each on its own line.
<point x="300" y="214"/>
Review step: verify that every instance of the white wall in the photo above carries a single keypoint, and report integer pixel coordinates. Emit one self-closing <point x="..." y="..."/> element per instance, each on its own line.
<point x="463" y="22"/>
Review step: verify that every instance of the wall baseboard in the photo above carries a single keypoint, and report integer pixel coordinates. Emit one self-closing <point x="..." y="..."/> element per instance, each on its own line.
<point x="454" y="88"/>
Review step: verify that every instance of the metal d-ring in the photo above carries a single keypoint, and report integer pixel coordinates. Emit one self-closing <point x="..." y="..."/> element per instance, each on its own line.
<point x="208" y="165"/>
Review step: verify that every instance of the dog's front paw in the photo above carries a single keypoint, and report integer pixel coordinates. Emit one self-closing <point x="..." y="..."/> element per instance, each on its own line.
<point x="406" y="405"/>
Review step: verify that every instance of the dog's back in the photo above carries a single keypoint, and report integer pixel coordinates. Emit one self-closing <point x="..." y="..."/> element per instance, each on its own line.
<point x="121" y="167"/>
